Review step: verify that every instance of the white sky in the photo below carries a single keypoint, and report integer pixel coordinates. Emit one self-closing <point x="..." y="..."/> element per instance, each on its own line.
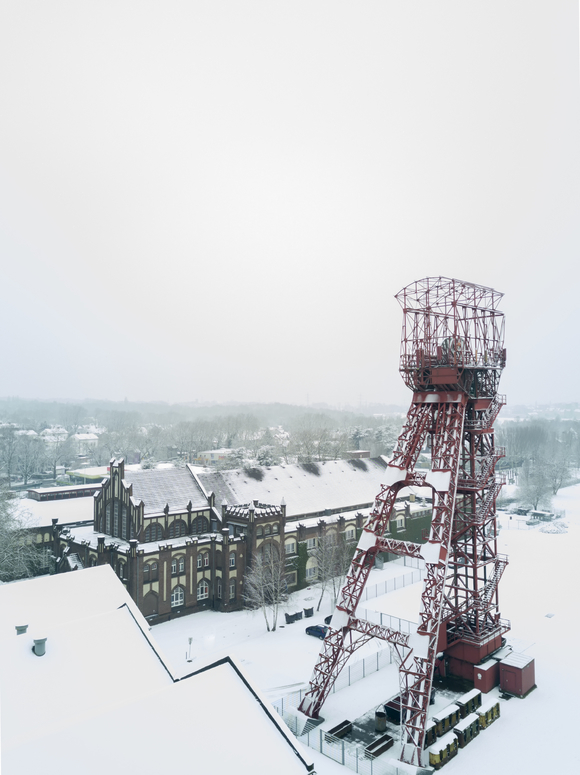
<point x="218" y="200"/>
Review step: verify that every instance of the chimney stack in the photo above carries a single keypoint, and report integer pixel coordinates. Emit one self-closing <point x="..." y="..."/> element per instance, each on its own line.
<point x="39" y="647"/>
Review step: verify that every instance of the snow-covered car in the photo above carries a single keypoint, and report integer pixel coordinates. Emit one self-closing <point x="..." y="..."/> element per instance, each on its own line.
<point x="317" y="630"/>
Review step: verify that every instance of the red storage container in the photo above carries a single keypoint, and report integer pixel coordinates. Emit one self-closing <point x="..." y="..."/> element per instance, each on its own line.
<point x="517" y="674"/>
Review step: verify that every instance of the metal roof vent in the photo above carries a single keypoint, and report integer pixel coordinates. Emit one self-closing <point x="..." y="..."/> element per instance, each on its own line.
<point x="39" y="647"/>
<point x="21" y="628"/>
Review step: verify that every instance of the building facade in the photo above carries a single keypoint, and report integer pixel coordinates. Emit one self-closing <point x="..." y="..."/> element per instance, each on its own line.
<point x="177" y="552"/>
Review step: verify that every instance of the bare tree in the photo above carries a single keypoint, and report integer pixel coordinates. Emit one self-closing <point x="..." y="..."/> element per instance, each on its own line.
<point x="535" y="488"/>
<point x="29" y="449"/>
<point x="8" y="456"/>
<point x="19" y="557"/>
<point x="333" y="554"/>
<point x="58" y="450"/>
<point x="265" y="584"/>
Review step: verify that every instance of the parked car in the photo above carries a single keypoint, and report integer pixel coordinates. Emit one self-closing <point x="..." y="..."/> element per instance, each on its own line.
<point x="317" y="630"/>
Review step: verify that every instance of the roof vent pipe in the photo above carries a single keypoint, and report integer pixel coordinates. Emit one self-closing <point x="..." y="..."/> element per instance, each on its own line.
<point x="21" y="628"/>
<point x="39" y="647"/>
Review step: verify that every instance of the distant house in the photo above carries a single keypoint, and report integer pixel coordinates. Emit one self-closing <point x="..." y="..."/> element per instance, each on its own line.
<point x="212" y="456"/>
<point x="82" y="678"/>
<point x="85" y="443"/>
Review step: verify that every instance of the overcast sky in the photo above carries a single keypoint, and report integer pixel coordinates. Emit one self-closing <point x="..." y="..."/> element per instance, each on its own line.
<point x="219" y="200"/>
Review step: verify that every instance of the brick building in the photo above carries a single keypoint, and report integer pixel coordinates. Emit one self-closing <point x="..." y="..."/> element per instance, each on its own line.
<point x="178" y="552"/>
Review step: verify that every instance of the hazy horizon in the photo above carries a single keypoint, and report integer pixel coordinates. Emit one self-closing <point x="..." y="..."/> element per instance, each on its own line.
<point x="218" y="202"/>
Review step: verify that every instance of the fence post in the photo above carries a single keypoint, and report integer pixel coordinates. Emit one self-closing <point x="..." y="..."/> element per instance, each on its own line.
<point x="342" y="741"/>
<point x="320" y="749"/>
<point x="356" y="749"/>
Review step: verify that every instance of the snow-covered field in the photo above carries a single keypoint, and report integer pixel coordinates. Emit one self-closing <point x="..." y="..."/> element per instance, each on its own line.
<point x="536" y="734"/>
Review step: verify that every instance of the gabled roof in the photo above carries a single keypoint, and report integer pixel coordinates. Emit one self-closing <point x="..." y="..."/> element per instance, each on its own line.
<point x="306" y="488"/>
<point x="157" y="487"/>
<point x="104" y="689"/>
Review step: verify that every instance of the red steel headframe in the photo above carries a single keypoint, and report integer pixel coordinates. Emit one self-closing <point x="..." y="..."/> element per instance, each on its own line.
<point x="452" y="356"/>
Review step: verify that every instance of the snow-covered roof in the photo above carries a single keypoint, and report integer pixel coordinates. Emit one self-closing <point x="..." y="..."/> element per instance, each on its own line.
<point x="443" y="742"/>
<point x="468" y="696"/>
<point x="41" y="513"/>
<point x="108" y="650"/>
<point x="466" y="722"/>
<point x="180" y="722"/>
<point x="440" y="715"/>
<point x="306" y="488"/>
<point x="159" y="487"/>
<point x="62" y="598"/>
<point x="517" y="660"/>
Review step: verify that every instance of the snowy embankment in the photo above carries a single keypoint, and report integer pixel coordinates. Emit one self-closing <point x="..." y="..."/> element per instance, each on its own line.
<point x="537" y="733"/>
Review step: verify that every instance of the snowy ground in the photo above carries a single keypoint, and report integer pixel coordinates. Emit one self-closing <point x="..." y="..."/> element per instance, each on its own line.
<point x="536" y="734"/>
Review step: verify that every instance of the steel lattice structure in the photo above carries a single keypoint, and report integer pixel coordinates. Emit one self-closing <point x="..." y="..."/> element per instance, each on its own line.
<point x="452" y="356"/>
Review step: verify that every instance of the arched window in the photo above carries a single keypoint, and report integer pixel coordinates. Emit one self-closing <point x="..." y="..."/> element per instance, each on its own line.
<point x="108" y="518"/>
<point x="267" y="530"/>
<point x="124" y="522"/>
<point x="146" y="573"/>
<point x="232" y="559"/>
<point x="259" y="532"/>
<point x="154" y="571"/>
<point x="177" y="597"/>
<point x="203" y="560"/>
<point x="177" y="528"/>
<point x="275" y="529"/>
<point x="178" y="565"/>
<point x="116" y="518"/>
<point x="153" y="532"/>
<point x="199" y="525"/>
<point x="232" y="590"/>
<point x="219" y="589"/>
<point x="269" y="551"/>
<point x="203" y="590"/>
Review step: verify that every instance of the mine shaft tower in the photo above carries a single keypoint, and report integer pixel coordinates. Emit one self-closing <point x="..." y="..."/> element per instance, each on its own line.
<point x="452" y="356"/>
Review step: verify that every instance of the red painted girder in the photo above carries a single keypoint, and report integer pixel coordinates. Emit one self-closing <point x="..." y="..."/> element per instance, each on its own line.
<point x="337" y="649"/>
<point x="405" y="548"/>
<point x="377" y="631"/>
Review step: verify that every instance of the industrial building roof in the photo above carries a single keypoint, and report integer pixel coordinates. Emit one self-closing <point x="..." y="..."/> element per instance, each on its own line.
<point x="306" y="488"/>
<point x="158" y="487"/>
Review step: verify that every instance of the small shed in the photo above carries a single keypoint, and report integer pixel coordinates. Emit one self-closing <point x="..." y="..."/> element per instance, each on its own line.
<point x="393" y="709"/>
<point x="488" y="713"/>
<point x="469" y="702"/>
<point x="442" y="750"/>
<point x="467" y="729"/>
<point x="486" y="675"/>
<point x="517" y="674"/>
<point x="446" y="719"/>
